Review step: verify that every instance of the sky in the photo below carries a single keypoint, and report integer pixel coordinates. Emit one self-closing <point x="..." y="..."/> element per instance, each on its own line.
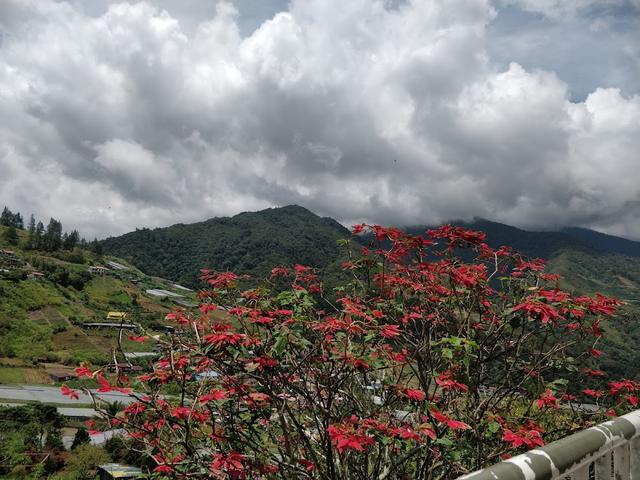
<point x="123" y="115"/>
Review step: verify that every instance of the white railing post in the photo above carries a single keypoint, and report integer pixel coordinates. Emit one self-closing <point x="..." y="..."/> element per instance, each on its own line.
<point x="603" y="467"/>
<point x="581" y="474"/>
<point x="621" y="462"/>
<point x="634" y="457"/>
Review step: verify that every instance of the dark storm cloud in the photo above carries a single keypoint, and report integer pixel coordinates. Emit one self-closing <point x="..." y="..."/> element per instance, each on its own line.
<point x="121" y="115"/>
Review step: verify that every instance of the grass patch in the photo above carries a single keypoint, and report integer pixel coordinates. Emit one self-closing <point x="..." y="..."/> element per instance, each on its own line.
<point x="11" y="375"/>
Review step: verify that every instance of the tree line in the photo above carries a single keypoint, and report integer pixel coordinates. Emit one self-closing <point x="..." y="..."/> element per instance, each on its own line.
<point x="50" y="238"/>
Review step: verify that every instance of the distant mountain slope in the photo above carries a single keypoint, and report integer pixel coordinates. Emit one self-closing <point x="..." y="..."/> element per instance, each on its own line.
<point x="604" y="242"/>
<point x="252" y="242"/>
<point x="532" y="244"/>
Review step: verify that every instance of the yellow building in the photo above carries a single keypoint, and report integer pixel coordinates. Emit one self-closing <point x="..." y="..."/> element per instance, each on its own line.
<point x="116" y="316"/>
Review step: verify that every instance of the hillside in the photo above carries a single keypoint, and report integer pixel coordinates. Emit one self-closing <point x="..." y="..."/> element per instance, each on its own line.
<point x="252" y="242"/>
<point x="46" y="298"/>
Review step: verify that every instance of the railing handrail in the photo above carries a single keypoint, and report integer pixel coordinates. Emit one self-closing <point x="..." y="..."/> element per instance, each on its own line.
<point x="613" y="443"/>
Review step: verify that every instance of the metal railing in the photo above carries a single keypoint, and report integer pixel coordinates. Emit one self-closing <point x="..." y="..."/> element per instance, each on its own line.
<point x="610" y="450"/>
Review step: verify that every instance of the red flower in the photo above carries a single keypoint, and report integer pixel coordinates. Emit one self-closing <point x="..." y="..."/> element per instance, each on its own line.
<point x="390" y="331"/>
<point x="83" y="371"/>
<point x="181" y="412"/>
<point x="141" y="339"/>
<point x="417" y="395"/>
<point x="262" y="321"/>
<point x="213" y="395"/>
<point x="358" y="229"/>
<point x="105" y="386"/>
<point x="406" y="433"/>
<point x="537" y="309"/>
<point x="446" y="382"/>
<point x="208" y="307"/>
<point x="68" y="392"/>
<point x="224" y="338"/>
<point x="230" y="462"/>
<point x="592" y="393"/>
<point x="452" y="424"/>
<point x="547" y="399"/>
<point x="280" y="272"/>
<point x="177" y="317"/>
<point x="529" y="437"/>
<point x="309" y="466"/>
<point x="163" y="469"/>
<point x="346" y="438"/>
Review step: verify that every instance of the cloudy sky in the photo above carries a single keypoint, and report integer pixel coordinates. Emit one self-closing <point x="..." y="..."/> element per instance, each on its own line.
<point x="117" y="115"/>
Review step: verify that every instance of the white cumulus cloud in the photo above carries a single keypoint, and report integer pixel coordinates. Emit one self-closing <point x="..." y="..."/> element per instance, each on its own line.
<point x="128" y="117"/>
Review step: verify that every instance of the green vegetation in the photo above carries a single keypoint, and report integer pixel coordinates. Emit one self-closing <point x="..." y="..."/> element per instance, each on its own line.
<point x="30" y="441"/>
<point x="42" y="316"/>
<point x="254" y="243"/>
<point x="248" y="243"/>
<point x="11" y="375"/>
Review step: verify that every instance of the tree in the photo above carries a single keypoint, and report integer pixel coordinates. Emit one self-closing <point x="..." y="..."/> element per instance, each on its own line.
<point x="95" y="247"/>
<point x="18" y="222"/>
<point x="53" y="236"/>
<point x="39" y="236"/>
<point x="71" y="240"/>
<point x="440" y="357"/>
<point x="31" y="239"/>
<point x="84" y="461"/>
<point x="82" y="437"/>
<point x="11" y="236"/>
<point x="54" y="439"/>
<point x="9" y="219"/>
<point x="6" y="218"/>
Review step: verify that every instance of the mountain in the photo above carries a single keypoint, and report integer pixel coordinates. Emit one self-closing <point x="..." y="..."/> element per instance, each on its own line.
<point x="588" y="261"/>
<point x="533" y="244"/>
<point x="251" y="242"/>
<point x="604" y="242"/>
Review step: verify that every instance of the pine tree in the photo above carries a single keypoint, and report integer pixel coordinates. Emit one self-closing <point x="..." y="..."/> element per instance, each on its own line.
<point x="71" y="240"/>
<point x="39" y="236"/>
<point x="95" y="247"/>
<point x="31" y="239"/>
<point x="18" y="222"/>
<point x="6" y="218"/>
<point x="53" y="236"/>
<point x="11" y="235"/>
<point x="82" y="437"/>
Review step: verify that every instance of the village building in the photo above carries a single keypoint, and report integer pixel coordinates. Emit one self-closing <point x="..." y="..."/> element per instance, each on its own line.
<point x="9" y="259"/>
<point x="125" y="367"/>
<point x="117" y="266"/>
<point x="116" y="316"/>
<point x="35" y="275"/>
<point x="77" y="415"/>
<point x="98" y="270"/>
<point x="62" y="376"/>
<point x="130" y="355"/>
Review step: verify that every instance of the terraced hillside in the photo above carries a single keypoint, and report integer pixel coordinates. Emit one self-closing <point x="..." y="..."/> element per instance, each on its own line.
<point x="46" y="300"/>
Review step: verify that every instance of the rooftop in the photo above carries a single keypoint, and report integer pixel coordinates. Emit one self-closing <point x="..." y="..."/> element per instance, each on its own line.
<point x="158" y="292"/>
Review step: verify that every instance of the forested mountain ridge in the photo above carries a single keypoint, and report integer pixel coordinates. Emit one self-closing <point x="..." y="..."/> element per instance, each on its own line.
<point x="250" y="242"/>
<point x="255" y="242"/>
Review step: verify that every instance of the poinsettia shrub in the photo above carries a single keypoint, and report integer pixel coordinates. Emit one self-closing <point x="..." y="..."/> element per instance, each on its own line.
<point x="438" y="357"/>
